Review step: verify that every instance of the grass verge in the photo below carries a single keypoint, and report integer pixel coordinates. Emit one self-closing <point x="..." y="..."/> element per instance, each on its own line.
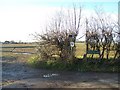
<point x="81" y="65"/>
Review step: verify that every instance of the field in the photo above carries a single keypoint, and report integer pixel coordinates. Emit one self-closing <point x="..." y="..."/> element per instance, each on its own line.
<point x="80" y="49"/>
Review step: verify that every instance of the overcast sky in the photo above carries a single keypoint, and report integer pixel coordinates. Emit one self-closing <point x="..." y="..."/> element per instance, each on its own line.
<point x="20" y="18"/>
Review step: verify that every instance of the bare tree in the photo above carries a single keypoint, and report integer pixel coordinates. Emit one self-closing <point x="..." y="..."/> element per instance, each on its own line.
<point x="100" y="33"/>
<point x="92" y="36"/>
<point x="117" y="41"/>
<point x="60" y="36"/>
<point x="106" y="27"/>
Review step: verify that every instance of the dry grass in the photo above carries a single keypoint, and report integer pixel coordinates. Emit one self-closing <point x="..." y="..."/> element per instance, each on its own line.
<point x="80" y="49"/>
<point x="32" y="50"/>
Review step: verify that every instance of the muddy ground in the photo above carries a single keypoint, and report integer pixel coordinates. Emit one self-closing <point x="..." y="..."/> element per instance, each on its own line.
<point x="17" y="74"/>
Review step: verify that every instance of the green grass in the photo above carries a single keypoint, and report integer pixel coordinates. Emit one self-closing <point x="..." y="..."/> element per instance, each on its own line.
<point x="81" y="65"/>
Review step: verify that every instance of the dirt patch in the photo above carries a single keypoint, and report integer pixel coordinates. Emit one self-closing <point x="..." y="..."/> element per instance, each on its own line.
<point x="17" y="74"/>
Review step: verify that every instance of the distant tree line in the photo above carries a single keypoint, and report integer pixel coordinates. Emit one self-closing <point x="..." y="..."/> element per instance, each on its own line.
<point x="14" y="42"/>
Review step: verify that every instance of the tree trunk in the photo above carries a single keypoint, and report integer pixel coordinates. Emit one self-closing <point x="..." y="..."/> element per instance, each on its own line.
<point x="102" y="55"/>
